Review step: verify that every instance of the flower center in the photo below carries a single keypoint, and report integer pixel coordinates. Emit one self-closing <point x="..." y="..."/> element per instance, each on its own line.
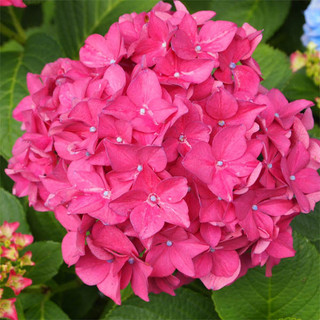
<point x="153" y="198"/>
<point x="169" y="243"/>
<point x="142" y="111"/>
<point x="221" y="123"/>
<point x="164" y="44"/>
<point x="131" y="261"/>
<point x="112" y="61"/>
<point x="119" y="139"/>
<point x="276" y="115"/>
<point x="232" y="65"/>
<point x="198" y="48"/>
<point x="110" y="260"/>
<point x="176" y="75"/>
<point x="270" y="165"/>
<point x="182" y="138"/>
<point x="292" y="178"/>
<point x="93" y="129"/>
<point x="212" y="250"/>
<point x="220" y="163"/>
<point x="106" y="194"/>
<point x="254" y="207"/>
<point x="139" y="167"/>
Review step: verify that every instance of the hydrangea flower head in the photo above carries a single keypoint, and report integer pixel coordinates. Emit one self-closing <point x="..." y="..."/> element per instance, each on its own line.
<point x="163" y="156"/>
<point x="12" y="265"/>
<point x="312" y="26"/>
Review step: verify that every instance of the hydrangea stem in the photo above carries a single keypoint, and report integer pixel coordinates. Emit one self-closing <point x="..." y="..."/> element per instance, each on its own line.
<point x="17" y="25"/>
<point x="11" y="34"/>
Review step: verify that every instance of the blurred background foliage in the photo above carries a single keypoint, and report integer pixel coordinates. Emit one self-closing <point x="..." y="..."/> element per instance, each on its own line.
<point x="47" y="30"/>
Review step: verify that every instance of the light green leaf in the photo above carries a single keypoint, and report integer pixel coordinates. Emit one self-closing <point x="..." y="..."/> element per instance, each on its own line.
<point x="11" y="210"/>
<point x="268" y="15"/>
<point x="47" y="258"/>
<point x="315" y="131"/>
<point x="308" y="225"/>
<point x="44" y="226"/>
<point x="300" y="86"/>
<point x="187" y="304"/>
<point x="292" y="291"/>
<point x="39" y="50"/>
<point x="275" y="66"/>
<point x="47" y="310"/>
<point x="76" y="20"/>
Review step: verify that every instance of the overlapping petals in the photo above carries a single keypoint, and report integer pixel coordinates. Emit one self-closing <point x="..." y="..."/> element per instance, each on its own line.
<point x="163" y="156"/>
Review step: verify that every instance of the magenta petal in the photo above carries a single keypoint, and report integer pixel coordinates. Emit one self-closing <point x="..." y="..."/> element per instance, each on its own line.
<point x="225" y="263"/>
<point x="139" y="280"/>
<point x="146" y="220"/>
<point x="210" y="234"/>
<point x="92" y="270"/>
<point x="128" y="201"/>
<point x="222" y="105"/>
<point x="70" y="251"/>
<point x="182" y="262"/>
<point x="308" y="180"/>
<point x="159" y="258"/>
<point x="172" y="190"/>
<point x="110" y="286"/>
<point x="229" y="143"/>
<point x="200" y="162"/>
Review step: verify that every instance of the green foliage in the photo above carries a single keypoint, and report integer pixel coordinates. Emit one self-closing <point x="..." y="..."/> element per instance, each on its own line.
<point x="39" y="50"/>
<point x="300" y="86"/>
<point x="44" y="226"/>
<point x="308" y="225"/>
<point x="47" y="258"/>
<point x="11" y="210"/>
<point x="187" y="304"/>
<point x="292" y="291"/>
<point x="275" y="66"/>
<point x="82" y="18"/>
<point x="47" y="310"/>
<point x="5" y="182"/>
<point x="262" y="14"/>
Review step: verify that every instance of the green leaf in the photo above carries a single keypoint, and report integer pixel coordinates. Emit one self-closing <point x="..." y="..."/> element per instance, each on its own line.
<point x="47" y="310"/>
<point x="292" y="291"/>
<point x="308" y="225"/>
<point x="40" y="49"/>
<point x="28" y="299"/>
<point x="11" y="210"/>
<point x="262" y="14"/>
<point x="187" y="304"/>
<point x="300" y="86"/>
<point x="5" y="182"/>
<point x="44" y="226"/>
<point x="47" y="258"/>
<point x="275" y="66"/>
<point x="77" y="302"/>
<point x="76" y="20"/>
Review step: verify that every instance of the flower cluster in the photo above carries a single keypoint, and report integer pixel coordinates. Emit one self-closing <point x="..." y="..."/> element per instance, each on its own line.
<point x="164" y="157"/>
<point x="12" y="266"/>
<point x="312" y="26"/>
<point x="15" y="3"/>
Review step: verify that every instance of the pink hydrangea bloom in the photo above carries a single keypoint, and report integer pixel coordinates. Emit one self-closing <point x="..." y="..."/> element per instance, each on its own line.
<point x="163" y="156"/>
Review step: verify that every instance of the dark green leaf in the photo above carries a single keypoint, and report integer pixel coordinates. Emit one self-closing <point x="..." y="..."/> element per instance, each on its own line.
<point x="300" y="86"/>
<point x="11" y="210"/>
<point x="292" y="291"/>
<point x="5" y="182"/>
<point x="261" y="14"/>
<point x="40" y="49"/>
<point x="77" y="302"/>
<point x="275" y="66"/>
<point x="187" y="304"/>
<point x="287" y="38"/>
<point x="47" y="258"/>
<point x="47" y="310"/>
<point x="308" y="225"/>
<point x="29" y="300"/>
<point x="44" y="226"/>
<point x="76" y="20"/>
